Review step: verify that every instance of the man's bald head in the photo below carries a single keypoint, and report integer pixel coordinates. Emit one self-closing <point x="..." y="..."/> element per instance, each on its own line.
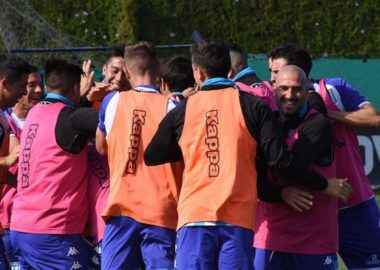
<point x="293" y="71"/>
<point x="290" y="90"/>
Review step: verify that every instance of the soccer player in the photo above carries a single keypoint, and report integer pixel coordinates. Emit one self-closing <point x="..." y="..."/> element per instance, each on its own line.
<point x="284" y="238"/>
<point x="97" y="194"/>
<point x="359" y="233"/>
<point x="176" y="76"/>
<point x="50" y="207"/>
<point x="245" y="77"/>
<point x="114" y="77"/>
<point x="239" y="67"/>
<point x="141" y="211"/>
<point x="13" y="80"/>
<point x="16" y="119"/>
<point x="217" y="132"/>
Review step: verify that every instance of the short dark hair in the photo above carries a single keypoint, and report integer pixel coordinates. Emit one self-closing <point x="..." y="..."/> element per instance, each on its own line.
<point x="33" y="69"/>
<point x="177" y="72"/>
<point x="240" y="60"/>
<point x="116" y="50"/>
<point x="61" y="76"/>
<point x="294" y="55"/>
<point x="213" y="57"/>
<point x="140" y="57"/>
<point x="13" y="67"/>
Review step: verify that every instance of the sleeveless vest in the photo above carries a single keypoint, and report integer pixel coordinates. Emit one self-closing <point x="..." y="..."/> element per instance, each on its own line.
<point x="98" y="190"/>
<point x="52" y="184"/>
<point x="146" y="194"/>
<point x="347" y="153"/>
<point x="219" y="182"/>
<point x="315" y="231"/>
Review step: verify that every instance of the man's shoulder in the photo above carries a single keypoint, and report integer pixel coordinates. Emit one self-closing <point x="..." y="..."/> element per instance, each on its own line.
<point x="317" y="121"/>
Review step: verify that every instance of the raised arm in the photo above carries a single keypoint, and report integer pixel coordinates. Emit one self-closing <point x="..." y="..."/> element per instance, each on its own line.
<point x="365" y="117"/>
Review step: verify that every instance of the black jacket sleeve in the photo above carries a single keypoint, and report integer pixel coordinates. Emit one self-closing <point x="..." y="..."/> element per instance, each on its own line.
<point x="75" y="126"/>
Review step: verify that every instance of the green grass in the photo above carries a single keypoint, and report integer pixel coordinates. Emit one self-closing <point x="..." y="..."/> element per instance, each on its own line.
<point x="342" y="266"/>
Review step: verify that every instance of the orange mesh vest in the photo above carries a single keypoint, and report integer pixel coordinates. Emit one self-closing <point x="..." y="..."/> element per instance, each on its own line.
<point x="146" y="194"/>
<point x="4" y="151"/>
<point x="219" y="180"/>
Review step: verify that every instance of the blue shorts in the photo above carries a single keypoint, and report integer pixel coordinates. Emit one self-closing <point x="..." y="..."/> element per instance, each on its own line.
<point x="4" y="263"/>
<point x="50" y="251"/>
<point x="214" y="247"/>
<point x="274" y="260"/>
<point x="9" y="249"/>
<point x="95" y="252"/>
<point x="359" y="235"/>
<point x="128" y="244"/>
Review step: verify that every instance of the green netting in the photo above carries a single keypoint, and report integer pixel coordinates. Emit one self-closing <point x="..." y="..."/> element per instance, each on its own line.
<point x="362" y="74"/>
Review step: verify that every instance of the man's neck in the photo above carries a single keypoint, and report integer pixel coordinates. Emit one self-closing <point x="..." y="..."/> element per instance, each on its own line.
<point x="144" y="80"/>
<point x="20" y="111"/>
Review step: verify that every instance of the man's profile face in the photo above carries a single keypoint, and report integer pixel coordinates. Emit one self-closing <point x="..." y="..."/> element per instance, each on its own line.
<point x="15" y="90"/>
<point x="34" y="91"/>
<point x="274" y="66"/>
<point x="34" y="88"/>
<point x="290" y="92"/>
<point x="114" y="74"/>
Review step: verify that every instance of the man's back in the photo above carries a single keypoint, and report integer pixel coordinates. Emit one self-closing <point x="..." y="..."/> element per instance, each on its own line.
<point x="52" y="182"/>
<point x="219" y="154"/>
<point x="147" y="194"/>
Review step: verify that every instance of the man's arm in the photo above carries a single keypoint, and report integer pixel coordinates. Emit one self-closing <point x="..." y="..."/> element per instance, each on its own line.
<point x="265" y="129"/>
<point x="314" y="141"/>
<point x="85" y="120"/>
<point x="9" y="161"/>
<point x="365" y="117"/>
<point x="354" y="108"/>
<point x="108" y="106"/>
<point x="101" y="142"/>
<point x="12" y="157"/>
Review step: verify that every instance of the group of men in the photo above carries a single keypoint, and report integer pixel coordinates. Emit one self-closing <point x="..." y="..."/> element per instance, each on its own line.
<point x="195" y="164"/>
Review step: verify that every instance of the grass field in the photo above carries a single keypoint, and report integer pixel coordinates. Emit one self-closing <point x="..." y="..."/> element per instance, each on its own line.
<point x="341" y="264"/>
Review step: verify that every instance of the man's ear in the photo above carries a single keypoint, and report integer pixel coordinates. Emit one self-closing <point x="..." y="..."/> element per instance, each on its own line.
<point x="3" y="83"/>
<point x="164" y="87"/>
<point x="201" y="74"/>
<point x="127" y="73"/>
<point x="104" y="69"/>
<point x="231" y="74"/>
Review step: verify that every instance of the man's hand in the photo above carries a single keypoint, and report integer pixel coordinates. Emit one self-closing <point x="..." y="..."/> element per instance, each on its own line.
<point x="297" y="198"/>
<point x="98" y="92"/>
<point x="87" y="79"/>
<point x="339" y="188"/>
<point x="9" y="160"/>
<point x="190" y="91"/>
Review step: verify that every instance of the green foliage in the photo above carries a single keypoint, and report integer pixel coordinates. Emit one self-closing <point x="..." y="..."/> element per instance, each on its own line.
<point x="334" y="27"/>
<point x="92" y="22"/>
<point x="347" y="28"/>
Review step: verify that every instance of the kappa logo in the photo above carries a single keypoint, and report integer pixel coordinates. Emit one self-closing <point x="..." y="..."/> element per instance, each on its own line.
<point x="95" y="260"/>
<point x="212" y="142"/>
<point x="374" y="260"/>
<point x="98" y="249"/>
<point x="138" y="120"/>
<point x="76" y="265"/>
<point x="26" y="153"/>
<point x="72" y="251"/>
<point x="328" y="260"/>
